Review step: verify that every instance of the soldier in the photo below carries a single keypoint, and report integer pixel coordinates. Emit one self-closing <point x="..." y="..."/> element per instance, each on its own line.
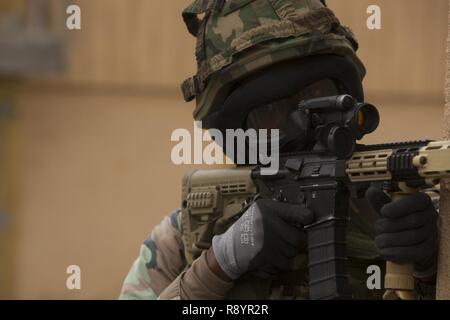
<point x="256" y="60"/>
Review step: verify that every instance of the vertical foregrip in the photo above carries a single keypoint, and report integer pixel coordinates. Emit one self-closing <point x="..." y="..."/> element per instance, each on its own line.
<point x="327" y="261"/>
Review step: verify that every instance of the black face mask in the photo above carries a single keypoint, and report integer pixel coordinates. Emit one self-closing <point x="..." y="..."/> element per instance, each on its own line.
<point x="269" y="98"/>
<point x="294" y="127"/>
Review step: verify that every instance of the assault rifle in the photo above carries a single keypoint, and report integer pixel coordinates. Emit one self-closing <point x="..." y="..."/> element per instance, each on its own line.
<point x="321" y="179"/>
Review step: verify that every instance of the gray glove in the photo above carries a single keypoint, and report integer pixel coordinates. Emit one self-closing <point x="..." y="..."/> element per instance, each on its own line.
<point x="265" y="239"/>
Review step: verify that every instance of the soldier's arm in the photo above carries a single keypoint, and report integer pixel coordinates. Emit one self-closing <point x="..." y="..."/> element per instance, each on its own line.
<point x="204" y="280"/>
<point x="160" y="261"/>
<point x="160" y="270"/>
<point x="263" y="239"/>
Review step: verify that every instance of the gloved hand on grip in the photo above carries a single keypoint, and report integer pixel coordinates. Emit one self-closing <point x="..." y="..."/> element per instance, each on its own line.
<point x="265" y="239"/>
<point x="406" y="231"/>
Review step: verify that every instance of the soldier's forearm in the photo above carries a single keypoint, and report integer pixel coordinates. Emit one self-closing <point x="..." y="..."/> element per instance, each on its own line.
<point x="198" y="282"/>
<point x="215" y="267"/>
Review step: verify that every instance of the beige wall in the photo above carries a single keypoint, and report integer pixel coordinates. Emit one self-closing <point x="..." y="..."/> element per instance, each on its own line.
<point x="94" y="160"/>
<point x="97" y="176"/>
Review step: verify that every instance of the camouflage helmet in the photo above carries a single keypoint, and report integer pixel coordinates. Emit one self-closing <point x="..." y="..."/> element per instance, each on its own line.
<point x="237" y="38"/>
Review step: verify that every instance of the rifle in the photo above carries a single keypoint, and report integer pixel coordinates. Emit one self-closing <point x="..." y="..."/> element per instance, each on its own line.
<point x="321" y="179"/>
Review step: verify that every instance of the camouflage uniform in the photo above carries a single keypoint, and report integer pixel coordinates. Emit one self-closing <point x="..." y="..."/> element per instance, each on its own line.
<point x="161" y="270"/>
<point x="237" y="38"/>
